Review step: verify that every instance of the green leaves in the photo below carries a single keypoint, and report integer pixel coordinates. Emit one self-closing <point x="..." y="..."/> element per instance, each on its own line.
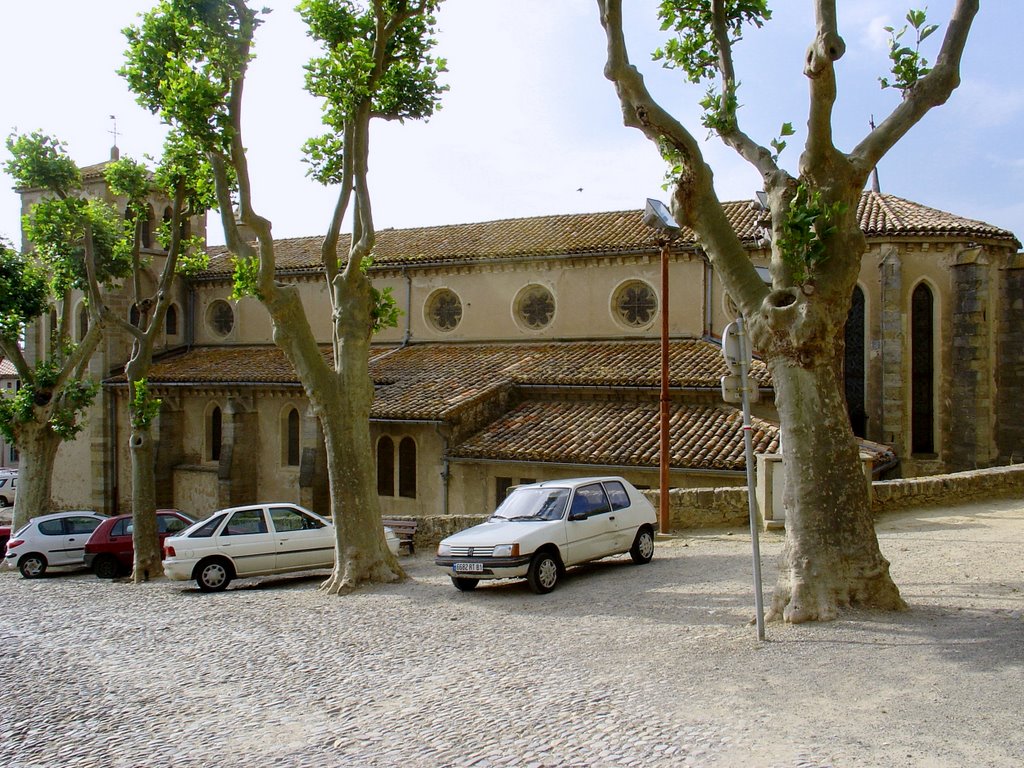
<point x="694" y="48"/>
<point x="41" y="161"/>
<point x="182" y="61"/>
<point x="778" y="144"/>
<point x="807" y="224"/>
<point x="395" y="77"/>
<point x="23" y="292"/>
<point x="143" y="408"/>
<point x="908" y="66"/>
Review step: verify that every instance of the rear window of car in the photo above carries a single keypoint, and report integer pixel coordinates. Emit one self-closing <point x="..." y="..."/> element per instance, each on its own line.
<point x="245" y="522"/>
<point x="207" y="529"/>
<point x="82" y="524"/>
<point x="170" y="524"/>
<point x="617" y="494"/>
<point x="121" y="527"/>
<point x="52" y="527"/>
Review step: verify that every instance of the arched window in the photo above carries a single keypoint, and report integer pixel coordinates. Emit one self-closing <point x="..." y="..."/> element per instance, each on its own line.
<point x="171" y="321"/>
<point x="853" y="364"/>
<point x="385" y="466"/>
<point x="214" y="434"/>
<point x="292" y="438"/>
<point x="407" y="468"/>
<point x="922" y="371"/>
<point x="83" y="320"/>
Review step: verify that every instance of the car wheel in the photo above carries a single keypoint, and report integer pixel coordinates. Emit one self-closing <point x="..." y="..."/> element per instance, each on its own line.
<point x="643" y="546"/>
<point x="543" y="573"/>
<point x="213" y="575"/>
<point x="32" y="566"/>
<point x="106" y="567"/>
<point x="465" y="585"/>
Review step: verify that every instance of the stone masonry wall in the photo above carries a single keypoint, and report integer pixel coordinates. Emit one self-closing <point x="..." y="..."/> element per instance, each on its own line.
<point x="1010" y="361"/>
<point x="695" y="508"/>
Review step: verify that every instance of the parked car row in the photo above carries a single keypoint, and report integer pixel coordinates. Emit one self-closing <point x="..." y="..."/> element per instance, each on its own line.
<point x="256" y="540"/>
<point x="538" y="532"/>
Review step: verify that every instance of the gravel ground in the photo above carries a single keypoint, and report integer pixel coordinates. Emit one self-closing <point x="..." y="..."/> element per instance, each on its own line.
<point x="622" y="665"/>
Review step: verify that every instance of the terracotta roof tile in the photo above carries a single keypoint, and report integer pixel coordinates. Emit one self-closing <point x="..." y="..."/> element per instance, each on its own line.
<point x="619" y="434"/>
<point x="7" y="369"/>
<point x="593" y="233"/>
<point x="701" y="437"/>
<point x="433" y="381"/>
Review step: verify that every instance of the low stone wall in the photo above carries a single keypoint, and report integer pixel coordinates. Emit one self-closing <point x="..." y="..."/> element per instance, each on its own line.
<point x="993" y="483"/>
<point x="727" y="507"/>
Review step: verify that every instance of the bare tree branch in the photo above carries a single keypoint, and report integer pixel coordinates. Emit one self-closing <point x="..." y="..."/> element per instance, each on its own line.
<point x="826" y="49"/>
<point x="932" y="90"/>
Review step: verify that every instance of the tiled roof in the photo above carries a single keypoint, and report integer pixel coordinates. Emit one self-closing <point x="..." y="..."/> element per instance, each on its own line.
<point x="7" y="369"/>
<point x="433" y="381"/>
<point x="611" y="232"/>
<point x="619" y="434"/>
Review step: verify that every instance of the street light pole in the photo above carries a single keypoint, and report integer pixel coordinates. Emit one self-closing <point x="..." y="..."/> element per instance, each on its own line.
<point x="663" y="425"/>
<point x="658" y="217"/>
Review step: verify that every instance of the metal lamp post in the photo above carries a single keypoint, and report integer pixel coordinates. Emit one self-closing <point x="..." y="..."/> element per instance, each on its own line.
<point x="658" y="218"/>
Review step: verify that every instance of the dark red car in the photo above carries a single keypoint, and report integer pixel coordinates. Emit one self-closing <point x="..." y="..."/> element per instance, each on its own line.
<point x="5" y="536"/>
<point x="109" y="552"/>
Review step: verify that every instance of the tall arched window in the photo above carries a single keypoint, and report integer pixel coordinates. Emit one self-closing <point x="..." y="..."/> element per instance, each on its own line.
<point x="407" y="468"/>
<point x="922" y="370"/>
<point x="171" y="321"/>
<point x="385" y="466"/>
<point x="292" y="438"/>
<point x="214" y="435"/>
<point x="853" y="366"/>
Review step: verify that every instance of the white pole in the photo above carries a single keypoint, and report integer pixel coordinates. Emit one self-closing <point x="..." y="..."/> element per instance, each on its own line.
<point x="745" y="357"/>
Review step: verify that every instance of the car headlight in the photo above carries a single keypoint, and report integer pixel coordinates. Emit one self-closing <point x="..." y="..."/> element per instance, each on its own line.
<point x="443" y="549"/>
<point x="506" y="550"/>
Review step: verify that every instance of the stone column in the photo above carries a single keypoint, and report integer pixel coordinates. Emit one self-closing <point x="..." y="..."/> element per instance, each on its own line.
<point x="237" y="473"/>
<point x="313" y="491"/>
<point x="169" y="432"/>
<point x="1010" y="361"/>
<point x="968" y="435"/>
<point x="893" y="350"/>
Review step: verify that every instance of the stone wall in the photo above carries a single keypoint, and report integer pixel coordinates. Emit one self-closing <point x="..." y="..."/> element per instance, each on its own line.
<point x="694" y="508"/>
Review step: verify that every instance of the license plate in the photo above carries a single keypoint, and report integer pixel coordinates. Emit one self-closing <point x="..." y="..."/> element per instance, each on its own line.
<point x="468" y="567"/>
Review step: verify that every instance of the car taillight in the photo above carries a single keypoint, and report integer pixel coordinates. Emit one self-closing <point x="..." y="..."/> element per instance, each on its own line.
<point x="15" y="543"/>
<point x="168" y="552"/>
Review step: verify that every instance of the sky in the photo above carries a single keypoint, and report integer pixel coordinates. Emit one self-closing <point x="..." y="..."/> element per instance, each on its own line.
<point x="530" y="126"/>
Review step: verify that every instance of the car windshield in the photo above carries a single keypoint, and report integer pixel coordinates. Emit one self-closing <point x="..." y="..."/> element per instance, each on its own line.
<point x="533" y="504"/>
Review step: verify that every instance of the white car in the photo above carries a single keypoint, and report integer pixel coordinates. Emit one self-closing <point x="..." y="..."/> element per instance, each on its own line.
<point x="254" y="540"/>
<point x="8" y="488"/>
<point x="543" y="528"/>
<point x="51" y="541"/>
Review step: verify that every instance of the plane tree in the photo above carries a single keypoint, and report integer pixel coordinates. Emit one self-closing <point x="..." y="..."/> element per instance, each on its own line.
<point x="186" y="179"/>
<point x="78" y="246"/>
<point x="831" y="557"/>
<point x="187" y="61"/>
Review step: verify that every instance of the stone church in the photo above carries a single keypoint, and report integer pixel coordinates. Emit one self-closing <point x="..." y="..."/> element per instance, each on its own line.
<point x="528" y="349"/>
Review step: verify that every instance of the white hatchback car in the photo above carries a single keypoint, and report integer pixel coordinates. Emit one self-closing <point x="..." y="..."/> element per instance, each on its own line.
<point x="254" y="540"/>
<point x="51" y="540"/>
<point x="543" y="528"/>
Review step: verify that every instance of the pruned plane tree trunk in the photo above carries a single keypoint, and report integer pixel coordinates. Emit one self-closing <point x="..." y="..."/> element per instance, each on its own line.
<point x="831" y="558"/>
<point x="375" y="64"/>
<point x="186" y="179"/>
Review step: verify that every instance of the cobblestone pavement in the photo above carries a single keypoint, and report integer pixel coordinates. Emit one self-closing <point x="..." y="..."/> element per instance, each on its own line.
<point x="622" y="665"/>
